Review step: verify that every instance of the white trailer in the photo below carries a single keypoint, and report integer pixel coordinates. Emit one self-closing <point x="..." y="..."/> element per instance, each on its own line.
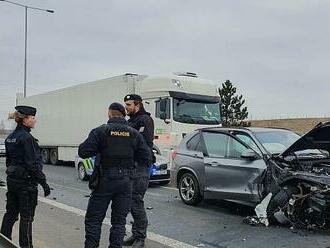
<point x="178" y="104"/>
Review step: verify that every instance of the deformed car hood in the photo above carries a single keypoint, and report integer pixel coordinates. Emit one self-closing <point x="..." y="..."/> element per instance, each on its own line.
<point x="317" y="138"/>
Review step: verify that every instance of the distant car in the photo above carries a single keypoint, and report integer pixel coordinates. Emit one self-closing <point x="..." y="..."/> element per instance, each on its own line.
<point x="245" y="165"/>
<point x="2" y="148"/>
<point x="159" y="171"/>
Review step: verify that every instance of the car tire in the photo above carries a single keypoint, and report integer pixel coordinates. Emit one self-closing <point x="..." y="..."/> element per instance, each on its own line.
<point x="45" y="155"/>
<point x="53" y="156"/>
<point x="189" y="189"/>
<point x="82" y="175"/>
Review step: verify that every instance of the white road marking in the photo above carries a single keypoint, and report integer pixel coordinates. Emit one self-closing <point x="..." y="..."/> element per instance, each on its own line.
<point x="151" y="236"/>
<point x="175" y="189"/>
<point x="88" y="191"/>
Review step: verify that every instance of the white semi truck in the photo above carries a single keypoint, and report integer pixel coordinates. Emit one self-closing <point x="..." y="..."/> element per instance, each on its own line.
<point x="178" y="104"/>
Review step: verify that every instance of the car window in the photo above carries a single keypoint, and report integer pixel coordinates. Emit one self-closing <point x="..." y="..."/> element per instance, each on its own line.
<point x="277" y="141"/>
<point x="199" y="147"/>
<point x="235" y="148"/>
<point x="193" y="142"/>
<point x="2" y="141"/>
<point x="248" y="140"/>
<point x="216" y="144"/>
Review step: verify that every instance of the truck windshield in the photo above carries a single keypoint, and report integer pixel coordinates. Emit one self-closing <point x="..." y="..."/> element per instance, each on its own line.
<point x="196" y="112"/>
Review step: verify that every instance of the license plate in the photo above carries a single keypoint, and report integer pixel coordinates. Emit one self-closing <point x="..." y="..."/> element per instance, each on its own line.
<point x="160" y="172"/>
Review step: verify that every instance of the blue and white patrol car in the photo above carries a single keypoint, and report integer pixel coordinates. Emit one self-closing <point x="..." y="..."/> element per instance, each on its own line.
<point x="159" y="171"/>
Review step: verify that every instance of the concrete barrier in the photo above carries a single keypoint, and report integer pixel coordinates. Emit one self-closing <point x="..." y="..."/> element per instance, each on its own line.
<point x="6" y="243"/>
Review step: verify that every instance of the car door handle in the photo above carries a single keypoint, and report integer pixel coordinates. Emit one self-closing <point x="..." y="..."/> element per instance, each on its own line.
<point x="213" y="164"/>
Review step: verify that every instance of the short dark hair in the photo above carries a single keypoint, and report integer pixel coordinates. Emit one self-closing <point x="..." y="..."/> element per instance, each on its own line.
<point x="115" y="113"/>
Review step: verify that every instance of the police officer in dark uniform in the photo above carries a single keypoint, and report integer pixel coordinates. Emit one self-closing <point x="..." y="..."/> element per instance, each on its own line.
<point x="141" y="121"/>
<point x="24" y="173"/>
<point x="119" y="147"/>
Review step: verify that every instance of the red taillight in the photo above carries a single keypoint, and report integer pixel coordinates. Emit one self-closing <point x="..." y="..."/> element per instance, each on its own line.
<point x="173" y="154"/>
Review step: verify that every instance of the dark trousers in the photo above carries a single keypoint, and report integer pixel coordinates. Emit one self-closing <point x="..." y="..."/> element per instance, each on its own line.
<point x="139" y="228"/>
<point x="22" y="201"/>
<point x="118" y="191"/>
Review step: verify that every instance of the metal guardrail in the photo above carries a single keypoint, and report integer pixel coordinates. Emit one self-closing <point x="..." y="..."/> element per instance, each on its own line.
<point x="6" y="243"/>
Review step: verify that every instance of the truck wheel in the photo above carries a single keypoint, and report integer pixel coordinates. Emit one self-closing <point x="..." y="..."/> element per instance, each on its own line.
<point x="45" y="155"/>
<point x="82" y="175"/>
<point x="189" y="189"/>
<point x="53" y="156"/>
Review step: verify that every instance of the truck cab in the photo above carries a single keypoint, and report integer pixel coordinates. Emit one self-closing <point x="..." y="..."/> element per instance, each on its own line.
<point x="179" y="104"/>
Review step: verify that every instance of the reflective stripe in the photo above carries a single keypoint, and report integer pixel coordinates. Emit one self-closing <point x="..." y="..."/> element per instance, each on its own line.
<point x="85" y="163"/>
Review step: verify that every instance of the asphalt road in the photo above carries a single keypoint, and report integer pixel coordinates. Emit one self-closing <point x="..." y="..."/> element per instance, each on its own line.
<point x="172" y="223"/>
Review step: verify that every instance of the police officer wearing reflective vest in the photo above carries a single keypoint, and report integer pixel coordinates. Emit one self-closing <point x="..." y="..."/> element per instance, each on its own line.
<point x="119" y="147"/>
<point x="143" y="123"/>
<point x="24" y="173"/>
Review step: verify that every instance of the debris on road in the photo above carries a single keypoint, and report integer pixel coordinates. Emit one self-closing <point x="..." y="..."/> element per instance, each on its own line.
<point x="261" y="210"/>
<point x="252" y="220"/>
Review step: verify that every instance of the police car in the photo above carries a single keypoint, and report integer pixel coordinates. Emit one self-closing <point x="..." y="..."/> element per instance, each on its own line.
<point x="159" y="171"/>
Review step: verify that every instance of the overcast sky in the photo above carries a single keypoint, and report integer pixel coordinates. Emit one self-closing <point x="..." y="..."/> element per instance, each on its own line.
<point x="275" y="52"/>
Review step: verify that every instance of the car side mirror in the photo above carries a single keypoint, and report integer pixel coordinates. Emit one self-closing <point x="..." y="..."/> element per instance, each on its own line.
<point x="249" y="154"/>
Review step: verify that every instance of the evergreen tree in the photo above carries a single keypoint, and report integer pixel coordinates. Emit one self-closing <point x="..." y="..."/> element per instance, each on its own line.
<point x="232" y="105"/>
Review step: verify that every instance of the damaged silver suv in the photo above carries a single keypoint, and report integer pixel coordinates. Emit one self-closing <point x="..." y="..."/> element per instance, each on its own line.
<point x="245" y="165"/>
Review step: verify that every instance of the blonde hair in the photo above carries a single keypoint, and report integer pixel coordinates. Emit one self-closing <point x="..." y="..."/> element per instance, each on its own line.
<point x="18" y="117"/>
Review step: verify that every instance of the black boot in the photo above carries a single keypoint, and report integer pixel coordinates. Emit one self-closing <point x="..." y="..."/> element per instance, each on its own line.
<point x="138" y="243"/>
<point x="129" y="241"/>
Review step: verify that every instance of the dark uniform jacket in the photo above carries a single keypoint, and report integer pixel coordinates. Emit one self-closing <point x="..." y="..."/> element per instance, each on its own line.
<point x="118" y="145"/>
<point x="23" y="157"/>
<point x="144" y="124"/>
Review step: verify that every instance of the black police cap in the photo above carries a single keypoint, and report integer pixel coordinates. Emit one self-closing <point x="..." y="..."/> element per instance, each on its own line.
<point x="117" y="106"/>
<point x="26" y="110"/>
<point x="133" y="97"/>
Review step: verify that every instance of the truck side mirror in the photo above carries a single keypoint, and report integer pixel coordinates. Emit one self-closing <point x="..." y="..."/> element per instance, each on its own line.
<point x="162" y="105"/>
<point x="162" y="115"/>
